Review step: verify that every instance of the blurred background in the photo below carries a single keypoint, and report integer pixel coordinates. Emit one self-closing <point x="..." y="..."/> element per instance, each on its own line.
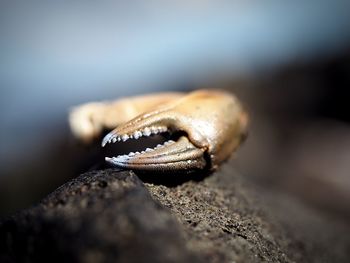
<point x="289" y="62"/>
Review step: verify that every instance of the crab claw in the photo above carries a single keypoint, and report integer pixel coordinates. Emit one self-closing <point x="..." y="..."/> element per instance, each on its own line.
<point x="213" y="124"/>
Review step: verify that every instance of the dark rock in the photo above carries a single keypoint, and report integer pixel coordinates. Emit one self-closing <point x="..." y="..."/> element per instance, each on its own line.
<point x="105" y="216"/>
<point x="228" y="219"/>
<point x="110" y="216"/>
<point x="221" y="219"/>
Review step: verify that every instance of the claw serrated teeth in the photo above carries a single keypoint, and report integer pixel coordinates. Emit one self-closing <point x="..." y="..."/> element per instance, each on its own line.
<point x="132" y="154"/>
<point x="137" y="134"/>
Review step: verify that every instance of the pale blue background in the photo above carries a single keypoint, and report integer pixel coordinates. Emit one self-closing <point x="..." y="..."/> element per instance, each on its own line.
<point x="55" y="54"/>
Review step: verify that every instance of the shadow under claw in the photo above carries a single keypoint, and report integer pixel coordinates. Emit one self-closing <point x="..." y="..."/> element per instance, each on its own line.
<point x="166" y="178"/>
<point x="173" y="178"/>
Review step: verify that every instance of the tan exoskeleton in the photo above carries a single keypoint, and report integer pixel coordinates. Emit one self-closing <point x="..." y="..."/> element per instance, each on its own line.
<point x="213" y="124"/>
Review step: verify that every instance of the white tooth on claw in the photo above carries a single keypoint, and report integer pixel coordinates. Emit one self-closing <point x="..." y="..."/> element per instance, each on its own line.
<point x="137" y="134"/>
<point x="149" y="150"/>
<point x="125" y="137"/>
<point x="147" y="132"/>
<point x="131" y="154"/>
<point x="114" y="140"/>
<point x="119" y="139"/>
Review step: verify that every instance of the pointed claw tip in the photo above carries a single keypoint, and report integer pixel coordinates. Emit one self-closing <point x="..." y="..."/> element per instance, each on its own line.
<point x="105" y="140"/>
<point x="110" y="137"/>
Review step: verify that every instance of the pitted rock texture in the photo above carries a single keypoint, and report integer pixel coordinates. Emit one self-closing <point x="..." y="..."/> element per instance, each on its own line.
<point x="227" y="219"/>
<point x="221" y="219"/>
<point x="110" y="216"/>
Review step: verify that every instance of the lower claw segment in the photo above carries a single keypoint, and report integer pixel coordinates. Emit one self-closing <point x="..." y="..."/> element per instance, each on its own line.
<point x="181" y="154"/>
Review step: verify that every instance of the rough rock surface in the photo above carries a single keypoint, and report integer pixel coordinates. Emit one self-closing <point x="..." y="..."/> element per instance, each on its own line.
<point x="105" y="216"/>
<point x="221" y="220"/>
<point x="227" y="219"/>
<point x="110" y="216"/>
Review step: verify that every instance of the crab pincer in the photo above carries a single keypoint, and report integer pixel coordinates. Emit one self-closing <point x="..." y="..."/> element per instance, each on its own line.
<point x="211" y="124"/>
